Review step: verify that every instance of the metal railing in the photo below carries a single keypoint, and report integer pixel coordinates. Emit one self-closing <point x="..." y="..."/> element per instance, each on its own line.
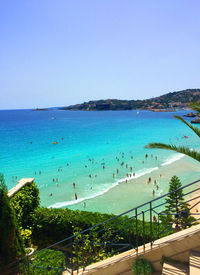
<point x="129" y="230"/>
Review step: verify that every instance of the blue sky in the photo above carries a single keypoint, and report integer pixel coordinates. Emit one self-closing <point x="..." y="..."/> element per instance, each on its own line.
<point x="56" y="53"/>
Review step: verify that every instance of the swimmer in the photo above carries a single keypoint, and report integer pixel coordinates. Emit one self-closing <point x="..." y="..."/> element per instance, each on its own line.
<point x="50" y="195"/>
<point x="74" y="185"/>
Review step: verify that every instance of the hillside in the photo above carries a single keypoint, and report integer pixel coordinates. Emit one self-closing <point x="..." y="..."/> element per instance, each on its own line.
<point x="172" y="100"/>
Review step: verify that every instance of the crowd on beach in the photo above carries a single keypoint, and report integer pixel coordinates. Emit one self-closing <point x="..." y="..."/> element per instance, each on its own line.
<point x="122" y="164"/>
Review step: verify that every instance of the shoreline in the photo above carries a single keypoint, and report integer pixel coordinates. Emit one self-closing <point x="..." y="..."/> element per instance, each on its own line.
<point x="130" y="192"/>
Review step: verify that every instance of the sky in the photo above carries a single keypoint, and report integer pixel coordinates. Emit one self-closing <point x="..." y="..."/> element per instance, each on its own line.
<point x="57" y="53"/>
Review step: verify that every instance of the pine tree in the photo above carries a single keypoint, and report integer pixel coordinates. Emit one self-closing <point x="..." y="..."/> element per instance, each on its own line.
<point x="176" y="210"/>
<point x="11" y="245"/>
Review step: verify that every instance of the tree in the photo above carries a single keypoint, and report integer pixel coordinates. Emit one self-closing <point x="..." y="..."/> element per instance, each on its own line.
<point x="11" y="244"/>
<point x="25" y="202"/>
<point x="181" y="149"/>
<point x="176" y="210"/>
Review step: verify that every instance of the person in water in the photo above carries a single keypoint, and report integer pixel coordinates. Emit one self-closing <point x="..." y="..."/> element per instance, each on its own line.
<point x="76" y="197"/>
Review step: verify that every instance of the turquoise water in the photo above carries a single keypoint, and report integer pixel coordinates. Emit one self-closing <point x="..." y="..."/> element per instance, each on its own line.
<point x="87" y="141"/>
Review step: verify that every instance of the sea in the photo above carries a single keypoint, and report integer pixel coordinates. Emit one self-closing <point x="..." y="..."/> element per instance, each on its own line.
<point x="95" y="161"/>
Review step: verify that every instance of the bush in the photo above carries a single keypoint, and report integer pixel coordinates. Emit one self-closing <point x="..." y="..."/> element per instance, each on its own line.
<point x="52" y="225"/>
<point x="142" y="267"/>
<point x="53" y="262"/>
<point x="11" y="244"/>
<point x="25" y="202"/>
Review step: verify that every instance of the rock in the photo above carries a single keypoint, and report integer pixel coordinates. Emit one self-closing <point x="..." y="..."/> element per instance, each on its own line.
<point x="197" y="120"/>
<point x="190" y="115"/>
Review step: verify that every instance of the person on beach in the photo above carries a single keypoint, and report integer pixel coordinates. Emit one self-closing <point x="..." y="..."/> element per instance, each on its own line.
<point x="153" y="193"/>
<point x="134" y="174"/>
<point x="157" y="187"/>
<point x="149" y="179"/>
<point x="76" y="197"/>
<point x="126" y="180"/>
<point x="154" y="182"/>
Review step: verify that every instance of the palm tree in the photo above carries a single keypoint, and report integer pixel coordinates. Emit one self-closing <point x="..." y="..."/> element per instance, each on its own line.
<point x="181" y="149"/>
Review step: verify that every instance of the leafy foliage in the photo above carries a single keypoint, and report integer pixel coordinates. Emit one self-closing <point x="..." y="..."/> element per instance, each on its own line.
<point x="142" y="267"/>
<point x="11" y="244"/>
<point x="53" y="263"/>
<point x="53" y="225"/>
<point x="25" y="203"/>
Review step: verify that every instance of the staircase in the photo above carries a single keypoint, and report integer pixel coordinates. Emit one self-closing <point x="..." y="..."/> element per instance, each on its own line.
<point x="193" y="268"/>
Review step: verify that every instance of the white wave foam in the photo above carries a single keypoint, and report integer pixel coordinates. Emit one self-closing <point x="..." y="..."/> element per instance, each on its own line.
<point x="173" y="159"/>
<point x="137" y="175"/>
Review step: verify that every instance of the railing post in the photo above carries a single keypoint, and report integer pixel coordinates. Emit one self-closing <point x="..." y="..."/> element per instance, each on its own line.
<point x="151" y="229"/>
<point x="136" y="232"/>
<point x="143" y="224"/>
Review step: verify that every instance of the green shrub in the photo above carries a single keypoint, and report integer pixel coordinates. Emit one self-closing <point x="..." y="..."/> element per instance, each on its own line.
<point x="52" y="225"/>
<point x="11" y="244"/>
<point x="24" y="202"/>
<point x="142" y="267"/>
<point x="45" y="262"/>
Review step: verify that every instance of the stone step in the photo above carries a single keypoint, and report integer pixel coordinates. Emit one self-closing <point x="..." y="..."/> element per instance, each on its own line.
<point x="175" y="269"/>
<point x="194" y="263"/>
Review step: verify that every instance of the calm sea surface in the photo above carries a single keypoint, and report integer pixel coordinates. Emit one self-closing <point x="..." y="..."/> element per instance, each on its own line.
<point x="87" y="142"/>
